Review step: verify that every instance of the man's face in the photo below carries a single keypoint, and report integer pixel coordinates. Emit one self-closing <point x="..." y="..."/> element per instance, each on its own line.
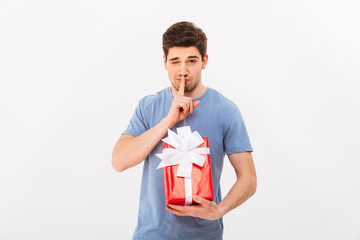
<point x="185" y="62"/>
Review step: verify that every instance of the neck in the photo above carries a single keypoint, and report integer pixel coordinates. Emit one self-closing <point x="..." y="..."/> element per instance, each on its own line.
<point x="194" y="94"/>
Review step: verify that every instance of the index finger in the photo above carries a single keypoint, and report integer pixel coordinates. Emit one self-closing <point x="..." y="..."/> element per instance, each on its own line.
<point x="182" y="87"/>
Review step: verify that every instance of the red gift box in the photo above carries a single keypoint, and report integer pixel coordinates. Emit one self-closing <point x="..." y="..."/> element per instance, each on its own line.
<point x="201" y="180"/>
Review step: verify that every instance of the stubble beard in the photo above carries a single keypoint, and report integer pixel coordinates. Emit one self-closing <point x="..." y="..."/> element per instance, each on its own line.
<point x="188" y="88"/>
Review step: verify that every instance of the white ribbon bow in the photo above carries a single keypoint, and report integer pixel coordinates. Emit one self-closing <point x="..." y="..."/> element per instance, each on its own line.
<point x="185" y="151"/>
<point x="184" y="154"/>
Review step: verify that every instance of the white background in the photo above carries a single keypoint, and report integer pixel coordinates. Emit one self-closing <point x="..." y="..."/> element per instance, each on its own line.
<point x="72" y="73"/>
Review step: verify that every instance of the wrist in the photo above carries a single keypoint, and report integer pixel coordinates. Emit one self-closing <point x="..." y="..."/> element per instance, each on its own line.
<point x="223" y="209"/>
<point x="166" y="122"/>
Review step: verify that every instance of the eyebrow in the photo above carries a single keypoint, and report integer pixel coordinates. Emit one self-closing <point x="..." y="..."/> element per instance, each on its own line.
<point x="177" y="58"/>
<point x="173" y="59"/>
<point x="193" y="57"/>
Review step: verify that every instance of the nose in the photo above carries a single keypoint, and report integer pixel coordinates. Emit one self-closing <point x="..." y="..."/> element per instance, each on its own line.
<point x="183" y="71"/>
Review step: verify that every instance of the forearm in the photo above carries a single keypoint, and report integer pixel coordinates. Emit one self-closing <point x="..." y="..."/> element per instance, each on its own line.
<point x="243" y="189"/>
<point x="129" y="152"/>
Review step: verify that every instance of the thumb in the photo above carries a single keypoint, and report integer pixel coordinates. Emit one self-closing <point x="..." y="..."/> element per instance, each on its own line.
<point x="196" y="103"/>
<point x="200" y="200"/>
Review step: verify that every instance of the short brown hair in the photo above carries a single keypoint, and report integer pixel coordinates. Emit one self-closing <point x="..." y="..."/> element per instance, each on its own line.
<point x="184" y="34"/>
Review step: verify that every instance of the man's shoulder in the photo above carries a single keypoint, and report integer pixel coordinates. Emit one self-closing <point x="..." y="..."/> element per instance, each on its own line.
<point x="151" y="97"/>
<point x="155" y="98"/>
<point x="219" y="99"/>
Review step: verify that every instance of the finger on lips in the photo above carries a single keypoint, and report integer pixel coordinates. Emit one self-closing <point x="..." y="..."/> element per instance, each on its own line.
<point x="182" y="87"/>
<point x="185" y="104"/>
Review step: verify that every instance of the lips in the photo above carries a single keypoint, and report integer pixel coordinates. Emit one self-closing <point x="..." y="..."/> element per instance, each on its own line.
<point x="186" y="80"/>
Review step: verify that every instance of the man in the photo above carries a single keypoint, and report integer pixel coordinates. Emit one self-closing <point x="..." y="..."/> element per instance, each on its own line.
<point x="186" y="103"/>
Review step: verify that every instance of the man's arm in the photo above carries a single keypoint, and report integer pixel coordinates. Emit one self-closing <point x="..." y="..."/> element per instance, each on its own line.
<point x="242" y="190"/>
<point x="245" y="185"/>
<point x="130" y="151"/>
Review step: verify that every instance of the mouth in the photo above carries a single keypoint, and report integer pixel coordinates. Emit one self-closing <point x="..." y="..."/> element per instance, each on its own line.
<point x="186" y="80"/>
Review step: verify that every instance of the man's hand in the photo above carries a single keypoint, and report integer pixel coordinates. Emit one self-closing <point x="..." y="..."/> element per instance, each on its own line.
<point x="181" y="106"/>
<point x="243" y="189"/>
<point x="206" y="209"/>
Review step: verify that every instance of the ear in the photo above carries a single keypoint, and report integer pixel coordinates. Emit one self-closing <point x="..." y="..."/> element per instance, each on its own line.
<point x="165" y="65"/>
<point x="205" y="61"/>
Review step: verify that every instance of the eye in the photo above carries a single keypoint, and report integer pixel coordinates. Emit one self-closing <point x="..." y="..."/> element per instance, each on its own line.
<point x="192" y="61"/>
<point x="174" y="62"/>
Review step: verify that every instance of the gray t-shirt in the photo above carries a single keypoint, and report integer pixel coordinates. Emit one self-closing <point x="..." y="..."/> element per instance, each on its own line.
<point x="216" y="118"/>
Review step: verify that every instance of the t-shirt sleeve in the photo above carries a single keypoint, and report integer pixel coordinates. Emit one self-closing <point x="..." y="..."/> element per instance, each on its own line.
<point x="236" y="138"/>
<point x="137" y="124"/>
